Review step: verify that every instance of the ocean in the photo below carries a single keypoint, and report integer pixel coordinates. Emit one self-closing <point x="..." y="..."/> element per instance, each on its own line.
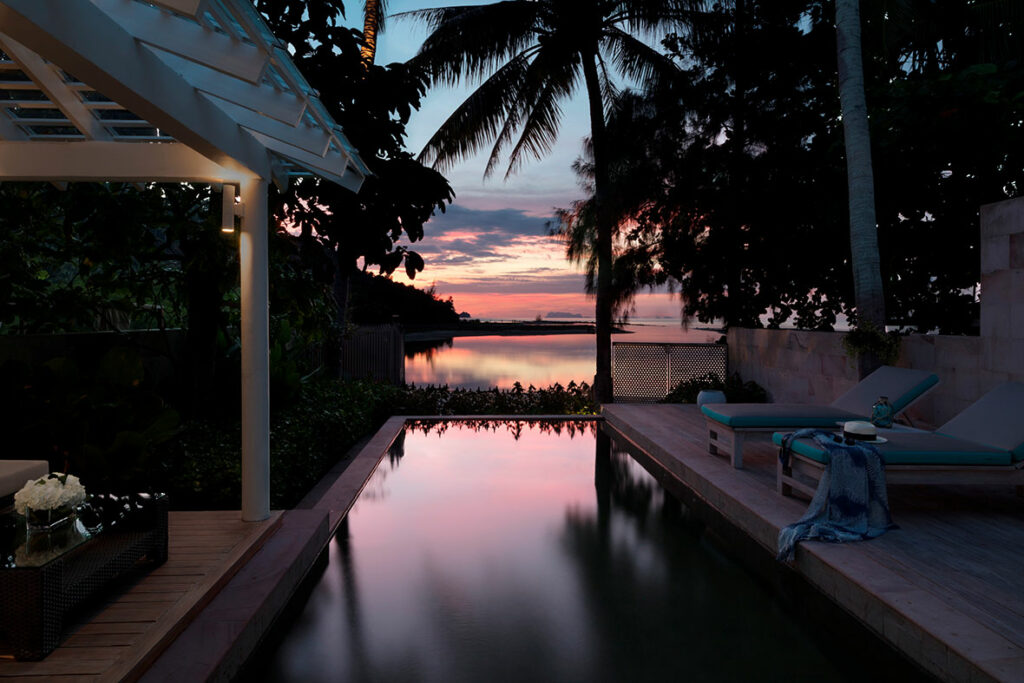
<point x="541" y="360"/>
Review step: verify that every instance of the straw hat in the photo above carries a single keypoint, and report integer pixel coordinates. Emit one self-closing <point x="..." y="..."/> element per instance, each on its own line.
<point x="864" y="432"/>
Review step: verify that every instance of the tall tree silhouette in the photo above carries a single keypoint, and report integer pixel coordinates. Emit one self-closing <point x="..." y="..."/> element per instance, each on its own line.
<point x="868" y="294"/>
<point x="373" y="23"/>
<point x="532" y="55"/>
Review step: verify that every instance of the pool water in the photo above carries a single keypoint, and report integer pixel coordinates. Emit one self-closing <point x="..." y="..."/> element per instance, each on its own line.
<point x="513" y="551"/>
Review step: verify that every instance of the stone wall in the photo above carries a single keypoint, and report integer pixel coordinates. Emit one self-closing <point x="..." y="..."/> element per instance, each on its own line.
<point x="811" y="367"/>
<point x="795" y="366"/>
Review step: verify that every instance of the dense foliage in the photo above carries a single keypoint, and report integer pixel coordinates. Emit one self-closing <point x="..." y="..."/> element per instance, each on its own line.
<point x="377" y="299"/>
<point x="201" y="466"/>
<point x="735" y="389"/>
<point x="747" y="216"/>
<point x="372" y="103"/>
<point x="573" y="399"/>
<point x="98" y="418"/>
<point x="93" y="256"/>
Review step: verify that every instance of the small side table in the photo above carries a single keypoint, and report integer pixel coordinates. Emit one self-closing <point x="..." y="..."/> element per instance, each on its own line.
<point x="43" y="579"/>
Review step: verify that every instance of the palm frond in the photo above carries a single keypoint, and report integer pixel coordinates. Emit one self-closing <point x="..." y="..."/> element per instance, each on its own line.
<point x="554" y="80"/>
<point x="508" y="131"/>
<point x="609" y="91"/>
<point x="637" y="60"/>
<point x="577" y="230"/>
<point x="471" y="42"/>
<point x="477" y="120"/>
<point x="434" y="17"/>
<point x="655" y="16"/>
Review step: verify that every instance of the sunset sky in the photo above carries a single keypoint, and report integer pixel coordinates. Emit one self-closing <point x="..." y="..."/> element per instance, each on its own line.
<point x="490" y="251"/>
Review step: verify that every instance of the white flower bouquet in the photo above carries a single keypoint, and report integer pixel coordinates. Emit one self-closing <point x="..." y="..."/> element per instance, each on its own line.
<point x="49" y="501"/>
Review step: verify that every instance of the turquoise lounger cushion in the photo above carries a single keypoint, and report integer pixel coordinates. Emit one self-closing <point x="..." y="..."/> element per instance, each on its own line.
<point x="917" y="448"/>
<point x="902" y="385"/>
<point x="780" y="415"/>
<point x="996" y="419"/>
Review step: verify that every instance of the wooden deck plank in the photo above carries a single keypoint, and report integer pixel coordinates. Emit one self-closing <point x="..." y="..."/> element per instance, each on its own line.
<point x="45" y="669"/>
<point x="156" y="640"/>
<point x="226" y="633"/>
<point x="944" y="588"/>
<point x="116" y="640"/>
<point x="80" y="640"/>
<point x="132" y="611"/>
<point x="57" y="678"/>
<point x="95" y="629"/>
<point x="130" y="597"/>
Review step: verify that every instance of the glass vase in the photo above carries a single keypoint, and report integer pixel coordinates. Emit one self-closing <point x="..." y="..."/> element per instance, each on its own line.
<point x="44" y="521"/>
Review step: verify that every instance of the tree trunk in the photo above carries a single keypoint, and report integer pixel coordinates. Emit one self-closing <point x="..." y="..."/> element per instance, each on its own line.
<point x="343" y="267"/>
<point x="603" y="309"/>
<point x="371" y="24"/>
<point x="868" y="294"/>
<point x="737" y="178"/>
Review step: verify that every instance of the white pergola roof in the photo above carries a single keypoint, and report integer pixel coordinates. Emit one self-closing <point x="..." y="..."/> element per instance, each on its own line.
<point x="206" y="75"/>
<point x="172" y="91"/>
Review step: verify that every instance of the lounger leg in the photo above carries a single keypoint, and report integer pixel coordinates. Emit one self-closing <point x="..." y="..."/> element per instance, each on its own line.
<point x="780" y="479"/>
<point x="722" y="439"/>
<point x="713" y="436"/>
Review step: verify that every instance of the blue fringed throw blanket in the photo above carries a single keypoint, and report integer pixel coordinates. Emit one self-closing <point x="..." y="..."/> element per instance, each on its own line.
<point x="851" y="502"/>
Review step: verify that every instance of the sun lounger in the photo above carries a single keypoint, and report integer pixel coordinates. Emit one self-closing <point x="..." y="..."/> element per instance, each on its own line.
<point x="983" y="445"/>
<point x="729" y="423"/>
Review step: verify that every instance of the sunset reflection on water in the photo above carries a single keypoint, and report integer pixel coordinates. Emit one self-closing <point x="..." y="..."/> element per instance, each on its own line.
<point x="541" y="360"/>
<point x="533" y="552"/>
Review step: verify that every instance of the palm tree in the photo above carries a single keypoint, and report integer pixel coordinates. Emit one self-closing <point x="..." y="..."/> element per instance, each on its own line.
<point x="373" y="23"/>
<point x="630" y="193"/>
<point x="867" y="275"/>
<point x="533" y="55"/>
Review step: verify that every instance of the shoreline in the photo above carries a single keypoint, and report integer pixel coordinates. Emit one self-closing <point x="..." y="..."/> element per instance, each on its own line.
<point x="484" y="329"/>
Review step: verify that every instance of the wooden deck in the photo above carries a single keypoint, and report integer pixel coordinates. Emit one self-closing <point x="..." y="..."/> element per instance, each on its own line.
<point x="946" y="588"/>
<point x="120" y="639"/>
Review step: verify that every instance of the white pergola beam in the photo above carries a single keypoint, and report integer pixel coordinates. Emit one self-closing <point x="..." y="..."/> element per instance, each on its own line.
<point x="304" y="137"/>
<point x="82" y="39"/>
<point x="8" y="129"/>
<point x="186" y="38"/>
<point x="279" y="174"/>
<point x="126" y="162"/>
<point x="255" y="333"/>
<point x="18" y="85"/>
<point x="188" y="8"/>
<point x="223" y="19"/>
<point x="27" y="104"/>
<point x="54" y="87"/>
<point x="284" y="106"/>
<point x="325" y="167"/>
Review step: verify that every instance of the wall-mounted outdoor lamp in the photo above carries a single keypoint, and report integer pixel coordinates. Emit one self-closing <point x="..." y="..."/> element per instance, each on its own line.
<point x="230" y="207"/>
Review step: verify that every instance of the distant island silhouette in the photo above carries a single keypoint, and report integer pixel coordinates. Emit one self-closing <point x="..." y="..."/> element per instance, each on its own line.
<point x="562" y="314"/>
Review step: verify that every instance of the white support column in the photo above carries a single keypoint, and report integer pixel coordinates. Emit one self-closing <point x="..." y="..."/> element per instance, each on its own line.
<point x="252" y="247"/>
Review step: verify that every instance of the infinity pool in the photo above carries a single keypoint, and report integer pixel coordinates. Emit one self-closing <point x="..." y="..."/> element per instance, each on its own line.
<point x="508" y="551"/>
